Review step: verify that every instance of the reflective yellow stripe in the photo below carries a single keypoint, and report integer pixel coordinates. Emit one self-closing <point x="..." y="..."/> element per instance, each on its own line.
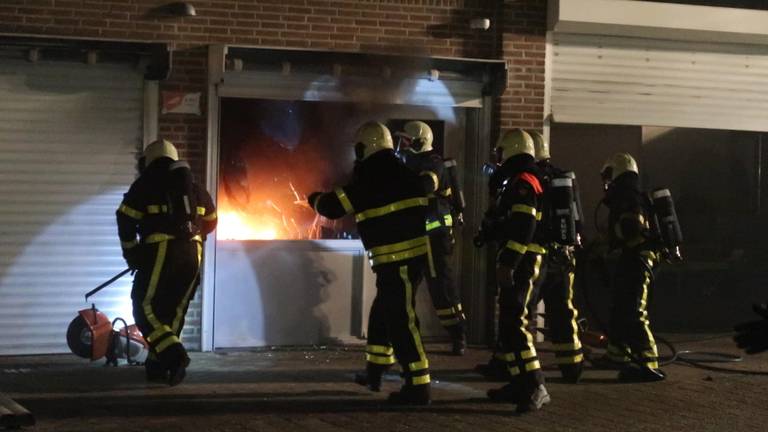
<point x="532" y="366"/>
<point x="569" y="359"/>
<point x="399" y="256"/>
<point x="448" y="311"/>
<point x="433" y="225"/>
<point x="210" y="217"/>
<point x="523" y="316"/>
<point x="130" y="212"/>
<point x="159" y="332"/>
<point x="184" y="302"/>
<point x="517" y="247"/>
<point x="422" y="363"/>
<point x="522" y="208"/>
<point x="200" y="211"/>
<point x="170" y="340"/>
<point x="419" y="365"/>
<point x="161" y="237"/>
<point x="528" y="354"/>
<point x="399" y="246"/>
<point x="514" y="371"/>
<point x="390" y="208"/>
<point x="458" y="307"/>
<point x="567" y="346"/>
<point x="448" y="220"/>
<point x="147" y="303"/>
<point x="129" y="244"/>
<point x="380" y="360"/>
<point x="445" y="193"/>
<point x="538" y="216"/>
<point x="652" y="365"/>
<point x="344" y="200"/>
<point x="379" y="349"/>
<point x="435" y="180"/>
<point x="536" y="248"/>
<point x="156" y="209"/>
<point x="419" y="380"/>
<point x="507" y="357"/>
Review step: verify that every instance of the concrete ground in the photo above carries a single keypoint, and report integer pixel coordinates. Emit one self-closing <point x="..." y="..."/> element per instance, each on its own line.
<point x="312" y="390"/>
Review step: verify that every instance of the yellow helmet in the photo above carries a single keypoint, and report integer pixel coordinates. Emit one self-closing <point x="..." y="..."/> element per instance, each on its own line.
<point x="371" y="138"/>
<point x="160" y="148"/>
<point x="540" y="144"/>
<point x="512" y="143"/>
<point x="420" y="135"/>
<point x="617" y="165"/>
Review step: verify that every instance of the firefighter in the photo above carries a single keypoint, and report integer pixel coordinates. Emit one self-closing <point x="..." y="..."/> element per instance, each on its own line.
<point x="162" y="222"/>
<point x="445" y="201"/>
<point x="631" y="342"/>
<point x="561" y="232"/>
<point x="389" y="206"/>
<point x="512" y="222"/>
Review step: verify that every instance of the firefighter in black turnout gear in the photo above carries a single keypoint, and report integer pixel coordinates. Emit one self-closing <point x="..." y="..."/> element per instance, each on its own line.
<point x="389" y="206"/>
<point x="512" y="222"/>
<point x="162" y="222"/>
<point x="446" y="204"/>
<point x="631" y="342"/>
<point x="561" y="226"/>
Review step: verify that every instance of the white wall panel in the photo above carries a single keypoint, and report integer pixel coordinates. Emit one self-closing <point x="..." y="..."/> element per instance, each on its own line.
<point x="68" y="135"/>
<point x="634" y="81"/>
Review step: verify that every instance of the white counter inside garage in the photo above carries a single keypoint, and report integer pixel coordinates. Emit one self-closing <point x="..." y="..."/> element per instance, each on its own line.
<point x="296" y="292"/>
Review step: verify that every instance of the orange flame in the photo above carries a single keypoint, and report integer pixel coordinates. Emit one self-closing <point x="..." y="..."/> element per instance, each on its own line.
<point x="234" y="225"/>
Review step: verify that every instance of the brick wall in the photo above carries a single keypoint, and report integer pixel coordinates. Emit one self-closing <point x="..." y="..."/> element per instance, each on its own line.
<point x="426" y="27"/>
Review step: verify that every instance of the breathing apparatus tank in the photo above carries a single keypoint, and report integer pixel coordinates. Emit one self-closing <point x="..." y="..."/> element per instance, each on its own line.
<point x="564" y="209"/>
<point x="457" y="194"/>
<point x="666" y="223"/>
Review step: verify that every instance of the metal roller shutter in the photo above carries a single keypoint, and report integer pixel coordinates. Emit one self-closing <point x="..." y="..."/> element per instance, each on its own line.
<point x="68" y="135"/>
<point x="640" y="81"/>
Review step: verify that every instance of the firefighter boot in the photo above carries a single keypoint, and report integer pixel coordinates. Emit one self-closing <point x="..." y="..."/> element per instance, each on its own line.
<point x="155" y="371"/>
<point x="534" y="395"/>
<point x="371" y="378"/>
<point x="510" y="393"/>
<point x="411" y="395"/>
<point x="571" y="372"/>
<point x="641" y="374"/>
<point x="177" y="363"/>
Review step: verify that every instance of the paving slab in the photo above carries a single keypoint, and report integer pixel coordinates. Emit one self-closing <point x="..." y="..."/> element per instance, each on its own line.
<point x="311" y="389"/>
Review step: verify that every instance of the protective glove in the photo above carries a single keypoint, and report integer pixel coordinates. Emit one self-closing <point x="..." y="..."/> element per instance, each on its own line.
<point x="312" y="198"/>
<point x="132" y="257"/>
<point x="460" y="219"/>
<point x="752" y="336"/>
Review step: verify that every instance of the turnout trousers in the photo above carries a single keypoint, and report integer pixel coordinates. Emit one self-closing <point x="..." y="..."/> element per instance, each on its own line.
<point x="165" y="282"/>
<point x="629" y="329"/>
<point x="393" y="327"/>
<point x="555" y="287"/>
<point x="515" y="342"/>
<point x="442" y="287"/>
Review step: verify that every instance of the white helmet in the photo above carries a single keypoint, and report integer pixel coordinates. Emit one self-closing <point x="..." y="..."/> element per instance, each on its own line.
<point x="160" y="148"/>
<point x="420" y="135"/>
<point x="513" y="143"/>
<point x="371" y="138"/>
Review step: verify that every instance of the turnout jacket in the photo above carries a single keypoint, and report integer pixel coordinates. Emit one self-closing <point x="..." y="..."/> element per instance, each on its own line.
<point x="431" y="167"/>
<point x="518" y="198"/>
<point x="629" y="211"/>
<point x="144" y="210"/>
<point x="389" y="205"/>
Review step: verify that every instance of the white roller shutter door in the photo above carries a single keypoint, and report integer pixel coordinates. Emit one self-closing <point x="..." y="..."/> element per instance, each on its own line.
<point x="641" y="81"/>
<point x="68" y="135"/>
